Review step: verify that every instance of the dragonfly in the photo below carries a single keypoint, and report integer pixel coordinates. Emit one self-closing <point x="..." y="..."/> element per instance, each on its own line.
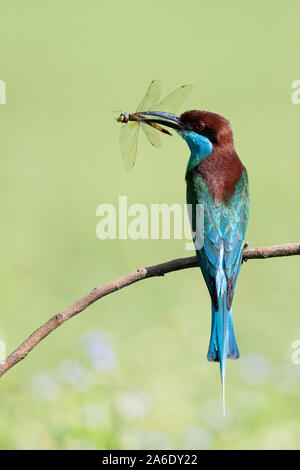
<point x="141" y="119"/>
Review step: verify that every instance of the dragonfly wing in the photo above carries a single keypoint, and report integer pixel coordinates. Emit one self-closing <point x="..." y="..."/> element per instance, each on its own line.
<point x="128" y="144"/>
<point x="174" y="100"/>
<point x="151" y="97"/>
<point x="152" y="135"/>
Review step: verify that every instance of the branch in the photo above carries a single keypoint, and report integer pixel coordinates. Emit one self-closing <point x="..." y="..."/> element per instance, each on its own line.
<point x="38" y="335"/>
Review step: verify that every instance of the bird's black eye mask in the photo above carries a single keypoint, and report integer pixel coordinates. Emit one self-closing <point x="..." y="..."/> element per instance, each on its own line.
<point x="201" y="129"/>
<point x="210" y="134"/>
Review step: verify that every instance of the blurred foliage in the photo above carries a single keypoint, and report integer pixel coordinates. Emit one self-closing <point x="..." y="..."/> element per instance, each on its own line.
<point x="67" y="67"/>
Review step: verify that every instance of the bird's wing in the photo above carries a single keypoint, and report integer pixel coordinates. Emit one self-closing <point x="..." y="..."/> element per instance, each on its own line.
<point x="224" y="231"/>
<point x="234" y="224"/>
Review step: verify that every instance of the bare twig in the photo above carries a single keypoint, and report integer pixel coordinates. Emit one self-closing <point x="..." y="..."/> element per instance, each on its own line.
<point x="38" y="335"/>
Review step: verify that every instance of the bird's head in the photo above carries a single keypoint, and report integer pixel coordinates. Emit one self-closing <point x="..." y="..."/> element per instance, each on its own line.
<point x="204" y="123"/>
<point x="203" y="131"/>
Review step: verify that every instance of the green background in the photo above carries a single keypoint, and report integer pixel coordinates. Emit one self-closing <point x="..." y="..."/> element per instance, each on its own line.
<point x="68" y="65"/>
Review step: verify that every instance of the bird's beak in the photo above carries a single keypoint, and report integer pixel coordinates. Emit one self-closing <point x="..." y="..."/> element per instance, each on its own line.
<point x="165" y="119"/>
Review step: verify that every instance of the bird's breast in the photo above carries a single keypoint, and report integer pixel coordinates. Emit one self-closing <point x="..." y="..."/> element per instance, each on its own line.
<point x="221" y="173"/>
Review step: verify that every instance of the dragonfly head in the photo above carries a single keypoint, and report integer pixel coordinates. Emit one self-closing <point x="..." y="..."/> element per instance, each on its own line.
<point x="124" y="117"/>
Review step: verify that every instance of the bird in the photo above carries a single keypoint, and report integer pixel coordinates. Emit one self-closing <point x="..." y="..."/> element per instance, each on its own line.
<point x="217" y="180"/>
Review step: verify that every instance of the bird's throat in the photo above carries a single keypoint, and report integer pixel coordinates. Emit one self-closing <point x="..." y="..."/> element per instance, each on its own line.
<point x="199" y="146"/>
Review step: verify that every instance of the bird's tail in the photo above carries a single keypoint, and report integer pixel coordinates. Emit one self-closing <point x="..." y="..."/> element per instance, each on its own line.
<point x="222" y="340"/>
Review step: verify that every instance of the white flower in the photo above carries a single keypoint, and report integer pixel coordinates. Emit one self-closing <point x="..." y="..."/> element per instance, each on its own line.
<point x="96" y="416"/>
<point x="43" y="386"/>
<point x="72" y="373"/>
<point x="100" y="351"/>
<point x="132" y="404"/>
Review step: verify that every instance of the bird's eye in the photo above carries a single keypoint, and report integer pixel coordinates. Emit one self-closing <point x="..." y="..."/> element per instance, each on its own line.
<point x="200" y="125"/>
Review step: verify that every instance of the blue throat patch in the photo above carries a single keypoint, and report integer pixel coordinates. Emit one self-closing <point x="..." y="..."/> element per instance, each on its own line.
<point x="200" y="148"/>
